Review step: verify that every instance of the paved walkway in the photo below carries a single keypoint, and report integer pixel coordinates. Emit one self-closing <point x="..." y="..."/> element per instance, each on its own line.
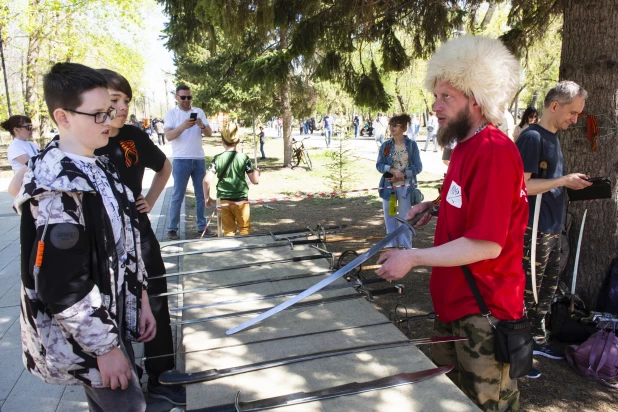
<point x="19" y="390"/>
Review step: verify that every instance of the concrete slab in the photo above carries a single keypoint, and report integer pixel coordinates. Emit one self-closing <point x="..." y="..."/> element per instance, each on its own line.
<point x="11" y="340"/>
<point x="73" y="399"/>
<point x="32" y="394"/>
<point x="11" y="297"/>
<point x="8" y="316"/>
<point x="12" y="367"/>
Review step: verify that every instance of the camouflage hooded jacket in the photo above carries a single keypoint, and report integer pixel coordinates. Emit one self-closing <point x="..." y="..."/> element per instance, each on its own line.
<point x="69" y="306"/>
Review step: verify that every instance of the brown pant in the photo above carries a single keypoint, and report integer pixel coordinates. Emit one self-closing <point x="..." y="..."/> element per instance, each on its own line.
<point x="235" y="215"/>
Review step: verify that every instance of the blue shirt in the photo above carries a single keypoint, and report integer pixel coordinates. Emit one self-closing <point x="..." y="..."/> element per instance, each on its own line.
<point x="328" y="122"/>
<point x="536" y="144"/>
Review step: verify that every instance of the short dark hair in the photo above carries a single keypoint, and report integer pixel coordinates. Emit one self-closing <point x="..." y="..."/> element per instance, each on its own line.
<point x="117" y="82"/>
<point x="402" y="119"/>
<point x="65" y="83"/>
<point x="13" y="122"/>
<point x="527" y="113"/>
<point x="182" y="87"/>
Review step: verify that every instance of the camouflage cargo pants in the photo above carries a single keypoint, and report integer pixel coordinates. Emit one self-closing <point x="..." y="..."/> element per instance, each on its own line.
<point x="476" y="372"/>
<point x="547" y="276"/>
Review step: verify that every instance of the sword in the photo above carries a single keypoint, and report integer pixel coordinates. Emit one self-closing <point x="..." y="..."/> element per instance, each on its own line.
<point x="254" y="342"/>
<point x="272" y="234"/>
<point x="239" y="284"/>
<point x="579" y="246"/>
<point x="246" y="247"/>
<point x="339" y="273"/>
<point x="351" y="284"/>
<point x="336" y="391"/>
<point x="318" y="302"/>
<point x="175" y="377"/>
<point x="535" y="229"/>
<point x="243" y="266"/>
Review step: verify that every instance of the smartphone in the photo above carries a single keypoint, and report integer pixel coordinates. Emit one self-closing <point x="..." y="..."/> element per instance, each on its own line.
<point x="388" y="175"/>
<point x="193" y="116"/>
<point x="596" y="179"/>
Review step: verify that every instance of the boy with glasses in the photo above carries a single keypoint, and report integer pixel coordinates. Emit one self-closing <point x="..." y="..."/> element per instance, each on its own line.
<point x="83" y="280"/>
<point x="184" y="126"/>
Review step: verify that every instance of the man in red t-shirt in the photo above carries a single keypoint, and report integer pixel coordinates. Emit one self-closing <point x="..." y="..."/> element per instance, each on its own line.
<point x="482" y="218"/>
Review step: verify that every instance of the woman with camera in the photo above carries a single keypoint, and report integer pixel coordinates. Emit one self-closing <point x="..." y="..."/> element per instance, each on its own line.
<point x="399" y="161"/>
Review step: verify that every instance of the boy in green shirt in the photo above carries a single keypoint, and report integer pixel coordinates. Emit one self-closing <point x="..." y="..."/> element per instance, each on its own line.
<point x="230" y="168"/>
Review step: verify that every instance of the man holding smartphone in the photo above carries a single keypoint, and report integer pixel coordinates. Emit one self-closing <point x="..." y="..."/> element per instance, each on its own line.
<point x="540" y="143"/>
<point x="184" y="126"/>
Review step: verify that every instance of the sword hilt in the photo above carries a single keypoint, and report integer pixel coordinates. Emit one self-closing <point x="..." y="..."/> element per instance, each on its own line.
<point x="432" y="211"/>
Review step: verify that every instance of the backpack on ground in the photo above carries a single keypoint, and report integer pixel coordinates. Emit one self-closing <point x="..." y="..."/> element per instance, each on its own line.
<point x="597" y="356"/>
<point x="565" y="326"/>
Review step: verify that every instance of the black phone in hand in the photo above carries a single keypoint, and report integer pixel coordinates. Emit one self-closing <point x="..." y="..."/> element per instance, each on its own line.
<point x="388" y="175"/>
<point x="193" y="116"/>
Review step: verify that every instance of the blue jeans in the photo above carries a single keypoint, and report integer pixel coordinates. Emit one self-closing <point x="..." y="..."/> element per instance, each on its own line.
<point x="182" y="170"/>
<point x="262" y="150"/>
<point x="434" y="138"/>
<point x="403" y="206"/>
<point x="355" y="130"/>
<point x="327" y="135"/>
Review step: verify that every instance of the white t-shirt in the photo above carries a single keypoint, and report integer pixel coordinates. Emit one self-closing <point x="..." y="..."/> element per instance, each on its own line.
<point x="189" y="144"/>
<point x="20" y="147"/>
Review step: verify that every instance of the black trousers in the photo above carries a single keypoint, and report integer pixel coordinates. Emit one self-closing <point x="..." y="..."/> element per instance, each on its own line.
<point x="163" y="343"/>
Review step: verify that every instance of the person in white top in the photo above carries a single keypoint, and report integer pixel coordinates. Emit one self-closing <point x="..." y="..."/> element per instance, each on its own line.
<point x="184" y="126"/>
<point x="20" y="150"/>
<point x="432" y="132"/>
<point x="508" y="123"/>
<point x="413" y="128"/>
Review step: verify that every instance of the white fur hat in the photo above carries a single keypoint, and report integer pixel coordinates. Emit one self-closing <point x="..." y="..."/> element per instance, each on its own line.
<point x="478" y="66"/>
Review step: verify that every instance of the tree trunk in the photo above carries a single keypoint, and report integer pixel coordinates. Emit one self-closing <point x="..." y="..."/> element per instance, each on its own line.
<point x="399" y="96"/>
<point x="32" y="83"/>
<point x="286" y="105"/>
<point x="489" y="15"/>
<point x="590" y="58"/>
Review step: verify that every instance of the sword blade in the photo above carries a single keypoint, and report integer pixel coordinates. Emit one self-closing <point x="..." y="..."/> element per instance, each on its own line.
<point x="244" y="266"/>
<point x="351" y="284"/>
<point x="239" y="284"/>
<point x="576" y="266"/>
<point x="535" y="229"/>
<point x="246" y="247"/>
<point x="178" y="378"/>
<point x="348" y="389"/>
<point x="341" y="272"/>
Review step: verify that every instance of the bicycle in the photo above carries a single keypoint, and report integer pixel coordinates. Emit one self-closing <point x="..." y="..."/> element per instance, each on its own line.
<point x="300" y="153"/>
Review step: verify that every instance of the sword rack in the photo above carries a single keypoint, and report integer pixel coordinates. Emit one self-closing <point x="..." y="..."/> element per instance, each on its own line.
<point x="225" y="288"/>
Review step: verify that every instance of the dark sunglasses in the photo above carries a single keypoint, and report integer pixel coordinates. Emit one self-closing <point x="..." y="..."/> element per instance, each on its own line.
<point x="28" y="127"/>
<point x="185" y="97"/>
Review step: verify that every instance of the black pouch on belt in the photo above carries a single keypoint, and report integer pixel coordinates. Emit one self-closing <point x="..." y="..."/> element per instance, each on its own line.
<point x="512" y="338"/>
<point x="514" y="345"/>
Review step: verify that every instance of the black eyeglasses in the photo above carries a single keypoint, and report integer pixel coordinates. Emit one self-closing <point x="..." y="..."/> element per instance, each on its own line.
<point x="99" y="117"/>
<point x="185" y="97"/>
<point x="28" y="127"/>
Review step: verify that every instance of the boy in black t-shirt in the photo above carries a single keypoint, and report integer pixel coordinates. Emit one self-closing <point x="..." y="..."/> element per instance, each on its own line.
<point x="132" y="152"/>
<point x="539" y="142"/>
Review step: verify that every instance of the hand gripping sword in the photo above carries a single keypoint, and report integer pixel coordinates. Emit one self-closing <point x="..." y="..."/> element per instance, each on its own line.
<point x="341" y="272"/>
<point x="535" y="230"/>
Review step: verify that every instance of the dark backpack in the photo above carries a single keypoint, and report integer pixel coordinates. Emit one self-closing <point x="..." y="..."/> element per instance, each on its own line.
<point x="565" y="326"/>
<point x="608" y="298"/>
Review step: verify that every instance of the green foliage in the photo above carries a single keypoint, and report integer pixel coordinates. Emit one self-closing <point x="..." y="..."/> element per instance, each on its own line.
<point x="339" y="168"/>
